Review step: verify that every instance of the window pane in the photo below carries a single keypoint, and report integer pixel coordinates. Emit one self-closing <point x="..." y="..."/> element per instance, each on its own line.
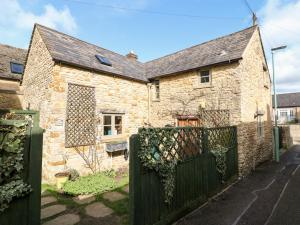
<point x="204" y="79"/>
<point x="17" y="68"/>
<point x="118" y="120"/>
<point x="156" y="82"/>
<point x="205" y="73"/>
<point x="107" y="120"/>
<point x="107" y="130"/>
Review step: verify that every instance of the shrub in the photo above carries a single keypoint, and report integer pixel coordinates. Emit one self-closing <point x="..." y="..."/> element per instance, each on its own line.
<point x="74" y="175"/>
<point x="91" y="184"/>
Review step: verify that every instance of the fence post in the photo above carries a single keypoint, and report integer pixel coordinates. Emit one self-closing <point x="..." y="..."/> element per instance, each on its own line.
<point x="236" y="161"/>
<point x="134" y="179"/>
<point x="205" y="154"/>
<point x="35" y="171"/>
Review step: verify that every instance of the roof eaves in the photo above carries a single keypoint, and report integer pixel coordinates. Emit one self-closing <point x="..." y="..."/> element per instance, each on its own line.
<point x="99" y="71"/>
<point x="197" y="68"/>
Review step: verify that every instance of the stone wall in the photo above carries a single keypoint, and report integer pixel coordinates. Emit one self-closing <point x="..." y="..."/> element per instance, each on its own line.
<point x="242" y="88"/>
<point x="11" y="96"/>
<point x="113" y="95"/>
<point x="36" y="79"/>
<point x="183" y="94"/>
<point x="45" y="89"/>
<point x="255" y="99"/>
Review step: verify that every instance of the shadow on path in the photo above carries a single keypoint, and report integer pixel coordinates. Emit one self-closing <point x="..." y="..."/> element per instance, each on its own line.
<point x="266" y="197"/>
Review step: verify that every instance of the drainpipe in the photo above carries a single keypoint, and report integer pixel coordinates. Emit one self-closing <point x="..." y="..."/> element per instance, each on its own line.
<point x="149" y="101"/>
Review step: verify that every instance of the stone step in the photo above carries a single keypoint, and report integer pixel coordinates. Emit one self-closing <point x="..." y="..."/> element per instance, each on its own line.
<point x="52" y="210"/>
<point x="67" y="219"/>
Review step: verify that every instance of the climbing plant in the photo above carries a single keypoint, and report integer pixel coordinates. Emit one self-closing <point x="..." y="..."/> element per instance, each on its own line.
<point x="155" y="155"/>
<point x="219" y="153"/>
<point x="12" y="141"/>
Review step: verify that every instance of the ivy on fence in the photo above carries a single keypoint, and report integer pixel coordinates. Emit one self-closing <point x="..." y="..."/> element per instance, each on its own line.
<point x="12" y="141"/>
<point x="154" y="155"/>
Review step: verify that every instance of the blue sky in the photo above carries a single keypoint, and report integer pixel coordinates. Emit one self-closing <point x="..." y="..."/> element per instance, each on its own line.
<point x="152" y="35"/>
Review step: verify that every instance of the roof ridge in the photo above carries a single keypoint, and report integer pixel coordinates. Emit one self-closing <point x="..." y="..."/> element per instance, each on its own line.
<point x="88" y="43"/>
<point x="10" y="46"/>
<point x="288" y="93"/>
<point x="193" y="46"/>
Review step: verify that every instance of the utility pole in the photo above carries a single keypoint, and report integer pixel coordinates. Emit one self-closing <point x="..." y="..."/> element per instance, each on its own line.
<point x="276" y="130"/>
<point x="254" y="19"/>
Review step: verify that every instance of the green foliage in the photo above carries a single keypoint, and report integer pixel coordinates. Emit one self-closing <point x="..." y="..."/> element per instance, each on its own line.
<point x="220" y="154"/>
<point x="12" y="138"/>
<point x="91" y="184"/>
<point x="110" y="173"/>
<point x="153" y="156"/>
<point x="13" y="189"/>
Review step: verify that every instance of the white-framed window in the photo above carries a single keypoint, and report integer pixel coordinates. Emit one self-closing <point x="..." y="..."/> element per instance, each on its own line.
<point x="283" y="114"/>
<point x="112" y="124"/>
<point x="205" y="77"/>
<point x="156" y="90"/>
<point x="260" y="126"/>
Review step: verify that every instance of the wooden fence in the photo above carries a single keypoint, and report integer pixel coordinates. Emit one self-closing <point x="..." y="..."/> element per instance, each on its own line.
<point x="197" y="177"/>
<point x="26" y="210"/>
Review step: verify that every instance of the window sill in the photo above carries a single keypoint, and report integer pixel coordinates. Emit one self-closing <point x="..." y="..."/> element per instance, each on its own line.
<point x="202" y="86"/>
<point x="113" y="138"/>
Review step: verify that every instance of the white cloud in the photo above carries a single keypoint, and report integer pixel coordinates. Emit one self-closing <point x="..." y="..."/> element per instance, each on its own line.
<point x="15" y="21"/>
<point x="280" y="26"/>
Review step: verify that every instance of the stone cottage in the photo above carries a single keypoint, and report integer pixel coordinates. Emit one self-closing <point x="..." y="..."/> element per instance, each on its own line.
<point x="11" y="71"/>
<point x="288" y="107"/>
<point x="91" y="99"/>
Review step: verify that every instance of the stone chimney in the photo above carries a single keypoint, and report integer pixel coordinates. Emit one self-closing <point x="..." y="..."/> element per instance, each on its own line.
<point x="132" y="56"/>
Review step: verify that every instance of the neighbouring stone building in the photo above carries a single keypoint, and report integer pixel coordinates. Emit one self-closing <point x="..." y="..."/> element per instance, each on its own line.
<point x="12" y="62"/>
<point x="79" y="88"/>
<point x="288" y="107"/>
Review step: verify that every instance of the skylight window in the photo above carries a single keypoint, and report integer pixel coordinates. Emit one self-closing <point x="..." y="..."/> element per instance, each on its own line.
<point x="16" y="68"/>
<point x="103" y="60"/>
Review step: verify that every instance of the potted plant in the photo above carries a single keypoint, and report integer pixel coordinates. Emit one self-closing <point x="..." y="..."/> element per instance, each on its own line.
<point x="61" y="178"/>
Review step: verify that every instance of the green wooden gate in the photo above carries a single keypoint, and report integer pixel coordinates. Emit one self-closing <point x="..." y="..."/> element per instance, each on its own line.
<point x="25" y="210"/>
<point x="196" y="177"/>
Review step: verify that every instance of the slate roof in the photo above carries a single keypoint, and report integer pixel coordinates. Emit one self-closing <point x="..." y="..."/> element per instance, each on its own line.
<point x="66" y="49"/>
<point x="220" y="50"/>
<point x="70" y="50"/>
<point x="11" y="54"/>
<point x="288" y="100"/>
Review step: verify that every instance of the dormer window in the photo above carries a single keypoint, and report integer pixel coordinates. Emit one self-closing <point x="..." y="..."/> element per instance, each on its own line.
<point x="103" y="60"/>
<point x="16" y="68"/>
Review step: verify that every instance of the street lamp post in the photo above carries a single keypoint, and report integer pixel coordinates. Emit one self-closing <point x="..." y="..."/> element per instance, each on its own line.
<point x="276" y="130"/>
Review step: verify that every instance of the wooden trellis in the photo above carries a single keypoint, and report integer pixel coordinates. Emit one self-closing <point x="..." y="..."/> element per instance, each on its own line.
<point x="80" y="124"/>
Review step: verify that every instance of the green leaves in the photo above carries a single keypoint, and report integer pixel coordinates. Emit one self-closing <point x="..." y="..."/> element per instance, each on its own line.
<point x="220" y="154"/>
<point x="11" y="190"/>
<point x="153" y="156"/>
<point x="12" y="139"/>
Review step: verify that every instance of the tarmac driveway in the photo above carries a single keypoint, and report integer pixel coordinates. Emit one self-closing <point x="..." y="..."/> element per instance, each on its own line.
<point x="269" y="196"/>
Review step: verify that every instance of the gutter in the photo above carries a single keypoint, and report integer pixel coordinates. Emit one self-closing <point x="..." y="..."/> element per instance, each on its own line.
<point x="99" y="71"/>
<point x="230" y="61"/>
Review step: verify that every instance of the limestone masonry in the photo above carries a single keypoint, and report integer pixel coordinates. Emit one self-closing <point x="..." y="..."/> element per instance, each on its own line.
<point x="240" y="84"/>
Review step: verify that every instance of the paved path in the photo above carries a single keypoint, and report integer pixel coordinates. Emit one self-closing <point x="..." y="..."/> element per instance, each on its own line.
<point x="82" y="210"/>
<point x="269" y="196"/>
